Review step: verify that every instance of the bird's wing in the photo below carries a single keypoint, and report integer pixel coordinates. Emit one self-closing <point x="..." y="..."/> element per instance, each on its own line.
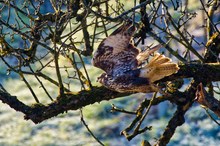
<point x="116" y="54"/>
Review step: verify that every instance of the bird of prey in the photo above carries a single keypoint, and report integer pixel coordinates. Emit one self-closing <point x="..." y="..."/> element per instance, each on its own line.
<point x="122" y="63"/>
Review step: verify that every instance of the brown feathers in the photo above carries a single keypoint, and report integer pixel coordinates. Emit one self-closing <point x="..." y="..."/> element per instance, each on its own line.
<point x="121" y="61"/>
<point x="158" y="68"/>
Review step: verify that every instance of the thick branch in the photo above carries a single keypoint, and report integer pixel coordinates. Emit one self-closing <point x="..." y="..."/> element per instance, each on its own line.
<point x="205" y="72"/>
<point x="38" y="112"/>
<point x="178" y="117"/>
<point x="71" y="101"/>
<point x="175" y="121"/>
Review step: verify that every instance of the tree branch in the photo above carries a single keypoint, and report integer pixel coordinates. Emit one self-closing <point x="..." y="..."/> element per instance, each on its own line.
<point x="205" y="72"/>
<point x="74" y="101"/>
<point x="178" y="117"/>
<point x="206" y="100"/>
<point x="117" y="18"/>
<point x="69" y="101"/>
<point x="175" y="121"/>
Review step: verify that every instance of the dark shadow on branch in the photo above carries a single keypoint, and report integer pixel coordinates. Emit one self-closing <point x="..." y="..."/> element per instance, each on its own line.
<point x="75" y="101"/>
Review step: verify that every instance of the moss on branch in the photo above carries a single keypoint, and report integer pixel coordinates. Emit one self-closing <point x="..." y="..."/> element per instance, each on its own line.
<point x="74" y="101"/>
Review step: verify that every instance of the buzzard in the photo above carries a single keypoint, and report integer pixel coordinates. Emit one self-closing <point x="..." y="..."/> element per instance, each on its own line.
<point x="122" y="63"/>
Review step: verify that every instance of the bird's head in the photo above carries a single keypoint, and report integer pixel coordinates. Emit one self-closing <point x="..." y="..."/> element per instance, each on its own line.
<point x="127" y="29"/>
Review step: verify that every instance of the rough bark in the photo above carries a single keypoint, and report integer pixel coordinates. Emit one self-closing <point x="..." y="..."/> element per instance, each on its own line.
<point x="74" y="101"/>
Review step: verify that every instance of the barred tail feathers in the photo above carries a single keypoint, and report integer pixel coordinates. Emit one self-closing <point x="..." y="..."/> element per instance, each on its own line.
<point x="158" y="68"/>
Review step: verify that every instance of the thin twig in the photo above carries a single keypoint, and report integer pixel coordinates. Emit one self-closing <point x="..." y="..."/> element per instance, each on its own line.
<point x="56" y="59"/>
<point x="174" y="53"/>
<point x="210" y="116"/>
<point x="19" y="10"/>
<point x="115" y="109"/>
<point x="181" y="34"/>
<point x="210" y="24"/>
<point x="146" y="113"/>
<point x="73" y="62"/>
<point x="87" y="127"/>
<point x="42" y="85"/>
<point x="83" y="64"/>
<point x="26" y="35"/>
<point x="114" y="19"/>
<point x="29" y="86"/>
